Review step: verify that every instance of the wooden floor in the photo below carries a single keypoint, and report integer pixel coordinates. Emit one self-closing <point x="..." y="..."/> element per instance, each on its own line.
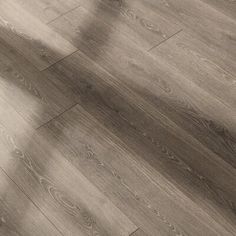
<point x="117" y="117"/>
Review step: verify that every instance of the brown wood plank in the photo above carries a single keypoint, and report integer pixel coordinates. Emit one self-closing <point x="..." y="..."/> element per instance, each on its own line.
<point x="33" y="39"/>
<point x="18" y="215"/>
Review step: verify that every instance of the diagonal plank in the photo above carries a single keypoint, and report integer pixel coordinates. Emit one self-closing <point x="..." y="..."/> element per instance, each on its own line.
<point x="103" y="159"/>
<point x="14" y="220"/>
<point x="57" y="188"/>
<point x="46" y="10"/>
<point x="193" y="58"/>
<point x="228" y="7"/>
<point x="172" y="93"/>
<point x="143" y="129"/>
<point x="131" y="18"/>
<point x="205" y="23"/>
<point x="31" y="94"/>
<point x="33" y="39"/>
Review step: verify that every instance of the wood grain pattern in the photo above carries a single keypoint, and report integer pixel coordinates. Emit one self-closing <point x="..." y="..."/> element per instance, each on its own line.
<point x="73" y="204"/>
<point x="193" y="58"/>
<point x="129" y="18"/>
<point x="205" y="23"/>
<point x="139" y="131"/>
<point x="12" y="204"/>
<point x="46" y="10"/>
<point x="117" y="118"/>
<point x="33" y="39"/>
<point x="32" y="95"/>
<point x="154" y="80"/>
<point x="228" y="7"/>
<point x="98" y="150"/>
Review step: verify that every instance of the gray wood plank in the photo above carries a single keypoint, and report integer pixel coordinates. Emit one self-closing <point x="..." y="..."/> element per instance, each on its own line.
<point x="63" y="194"/>
<point x="228" y="7"/>
<point x="147" y="139"/>
<point x="130" y="18"/>
<point x="31" y="94"/>
<point x="46" y="10"/>
<point x="18" y="215"/>
<point x="207" y="24"/>
<point x="170" y="91"/>
<point x="194" y="59"/>
<point x="105" y="160"/>
<point x="32" y="38"/>
<point x="141" y="128"/>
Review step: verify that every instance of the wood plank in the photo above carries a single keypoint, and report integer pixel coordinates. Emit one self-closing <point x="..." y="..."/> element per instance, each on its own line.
<point x="61" y="192"/>
<point x="171" y="92"/>
<point x="18" y="215"/>
<point x="130" y="18"/>
<point x="228" y="7"/>
<point x="193" y="58"/>
<point x="207" y="24"/>
<point x="46" y="10"/>
<point x="139" y="126"/>
<point x="33" y="39"/>
<point x="92" y="150"/>
<point x="145" y="141"/>
<point x="31" y="94"/>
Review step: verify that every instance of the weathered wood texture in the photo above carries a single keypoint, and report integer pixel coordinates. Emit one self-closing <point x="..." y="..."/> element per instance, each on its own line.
<point x="117" y="118"/>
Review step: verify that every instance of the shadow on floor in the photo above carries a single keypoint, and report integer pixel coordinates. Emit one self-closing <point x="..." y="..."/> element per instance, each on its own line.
<point x="124" y="119"/>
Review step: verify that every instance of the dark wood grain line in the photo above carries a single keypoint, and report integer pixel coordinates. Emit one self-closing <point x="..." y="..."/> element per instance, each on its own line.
<point x="164" y="40"/>
<point x="27" y="196"/>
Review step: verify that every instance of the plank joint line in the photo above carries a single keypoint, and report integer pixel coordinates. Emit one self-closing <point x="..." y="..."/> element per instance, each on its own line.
<point x="134" y="232"/>
<point x="165" y="40"/>
<point x="63" y="14"/>
<point x="55" y="117"/>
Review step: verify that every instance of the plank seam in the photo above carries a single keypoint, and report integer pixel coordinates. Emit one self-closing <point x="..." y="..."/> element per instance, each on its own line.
<point x="63" y="14"/>
<point x="132" y="234"/>
<point x="164" y="40"/>
<point x="57" y="116"/>
<point x="51" y="65"/>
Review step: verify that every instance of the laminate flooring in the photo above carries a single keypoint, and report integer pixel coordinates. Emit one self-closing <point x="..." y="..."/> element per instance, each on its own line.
<point x="117" y="117"/>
